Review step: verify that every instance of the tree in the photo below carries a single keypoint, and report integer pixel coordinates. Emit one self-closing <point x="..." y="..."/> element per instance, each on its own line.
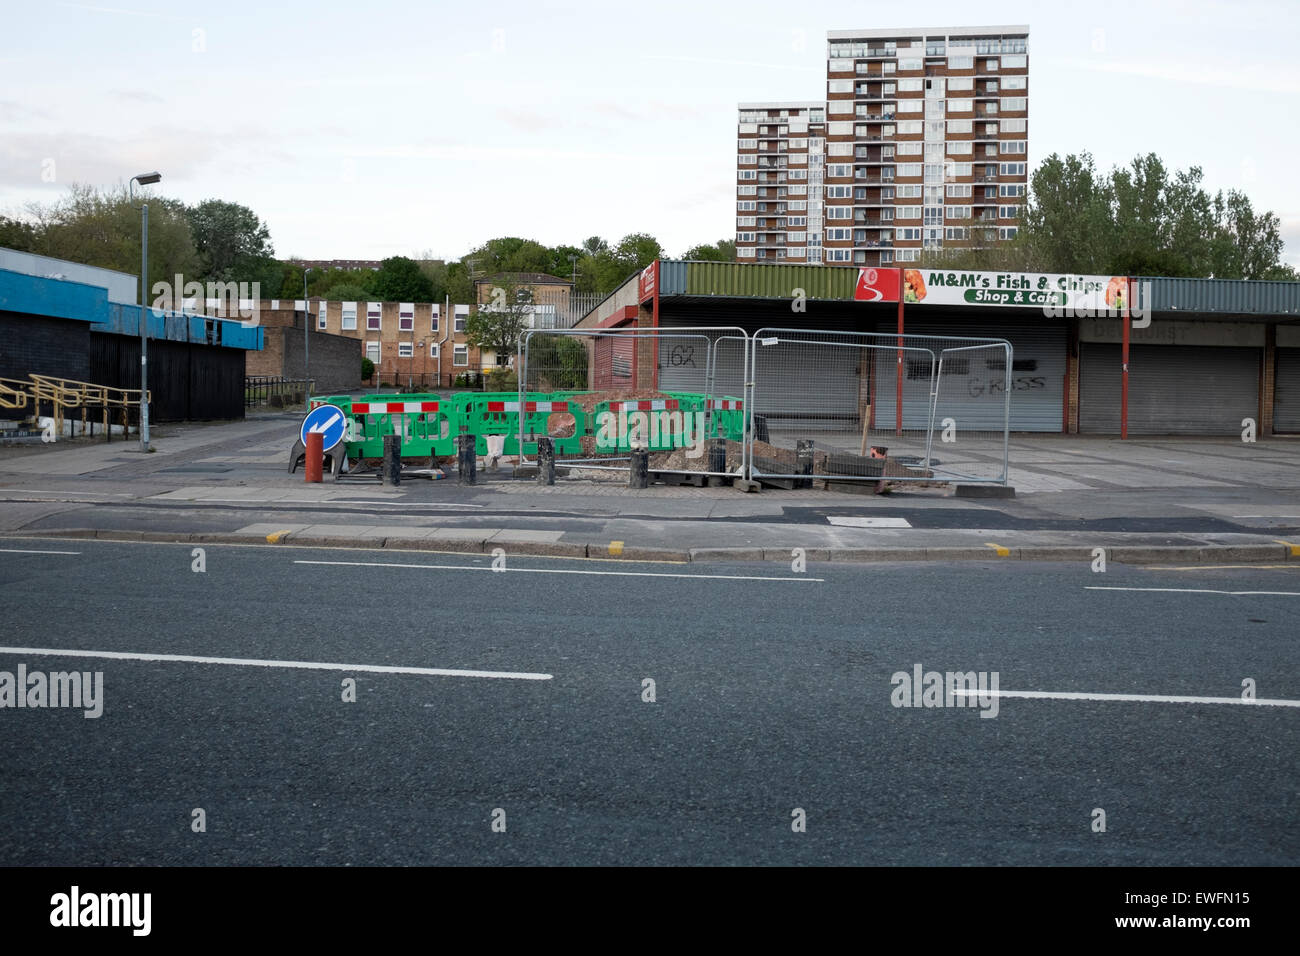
<point x="1065" y="222"/>
<point x="496" y="325"/>
<point x="17" y="235"/>
<point x="724" y="250"/>
<point x="1246" y="245"/>
<point x="345" y="292"/>
<point x="399" y="279"/>
<point x="102" y="228"/>
<point x="233" y="244"/>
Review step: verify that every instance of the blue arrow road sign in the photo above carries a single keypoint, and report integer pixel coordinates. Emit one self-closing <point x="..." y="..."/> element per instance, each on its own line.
<point x="329" y="420"/>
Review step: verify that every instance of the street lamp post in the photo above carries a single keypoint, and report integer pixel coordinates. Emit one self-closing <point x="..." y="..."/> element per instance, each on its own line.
<point x="144" y="179"/>
<point x="306" y="339"/>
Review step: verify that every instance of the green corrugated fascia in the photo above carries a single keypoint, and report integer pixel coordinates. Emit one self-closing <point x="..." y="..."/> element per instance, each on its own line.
<point x="1235" y="296"/>
<point x="745" y="280"/>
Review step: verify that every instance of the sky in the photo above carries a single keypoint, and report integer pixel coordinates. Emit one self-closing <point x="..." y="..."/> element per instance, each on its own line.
<point x="376" y="129"/>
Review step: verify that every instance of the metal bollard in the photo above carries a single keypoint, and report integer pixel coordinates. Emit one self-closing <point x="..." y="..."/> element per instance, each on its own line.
<point x="313" y="458"/>
<point x="803" y="457"/>
<point x="545" y="461"/>
<point x="392" y="460"/>
<point x="638" y="475"/>
<point x="466" y="460"/>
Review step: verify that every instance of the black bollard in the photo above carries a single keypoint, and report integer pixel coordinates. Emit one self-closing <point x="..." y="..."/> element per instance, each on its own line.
<point x="717" y="455"/>
<point x="803" y="457"/>
<point x="638" y="475"/>
<point x="467" y="459"/>
<point x="545" y="461"/>
<point x="392" y="460"/>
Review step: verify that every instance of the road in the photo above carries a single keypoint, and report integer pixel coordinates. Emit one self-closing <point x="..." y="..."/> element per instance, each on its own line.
<point x="774" y="693"/>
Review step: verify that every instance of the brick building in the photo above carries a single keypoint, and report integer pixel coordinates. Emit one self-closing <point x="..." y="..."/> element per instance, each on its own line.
<point x="410" y="343"/>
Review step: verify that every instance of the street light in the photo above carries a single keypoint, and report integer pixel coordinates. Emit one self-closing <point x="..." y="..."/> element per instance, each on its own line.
<point x="144" y="179"/>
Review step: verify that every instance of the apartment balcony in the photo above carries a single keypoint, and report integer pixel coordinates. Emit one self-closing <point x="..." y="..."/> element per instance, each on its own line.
<point x="876" y="244"/>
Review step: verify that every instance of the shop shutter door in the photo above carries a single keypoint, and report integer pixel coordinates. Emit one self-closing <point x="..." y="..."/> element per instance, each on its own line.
<point x="1173" y="389"/>
<point x="1286" y="391"/>
<point x="973" y="393"/>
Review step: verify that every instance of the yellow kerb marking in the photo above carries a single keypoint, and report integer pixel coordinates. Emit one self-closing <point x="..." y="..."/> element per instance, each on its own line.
<point x="616" y="548"/>
<point x="1002" y="552"/>
<point x="275" y="537"/>
<point x="1295" y="548"/>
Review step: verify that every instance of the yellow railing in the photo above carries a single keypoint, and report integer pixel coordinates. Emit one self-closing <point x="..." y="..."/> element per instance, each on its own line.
<point x="64" y="394"/>
<point x="14" y="393"/>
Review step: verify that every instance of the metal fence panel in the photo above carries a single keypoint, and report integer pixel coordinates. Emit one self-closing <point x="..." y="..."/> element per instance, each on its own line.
<point x="866" y="406"/>
<point x="631" y="387"/>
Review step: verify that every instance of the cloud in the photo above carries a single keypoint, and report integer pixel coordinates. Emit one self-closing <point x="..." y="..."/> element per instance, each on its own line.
<point x="138" y="96"/>
<point x="181" y="154"/>
<point x="1255" y="79"/>
<point x="525" y="120"/>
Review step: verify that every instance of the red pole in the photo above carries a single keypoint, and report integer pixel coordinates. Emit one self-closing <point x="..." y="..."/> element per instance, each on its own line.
<point x="313" y="463"/>
<point x="654" y="309"/>
<point x="1123" y="392"/>
<point x="898" y="375"/>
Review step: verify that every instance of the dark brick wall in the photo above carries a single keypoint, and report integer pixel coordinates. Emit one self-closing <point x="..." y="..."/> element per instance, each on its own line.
<point x="187" y="382"/>
<point x="334" y="360"/>
<point x="43" y="345"/>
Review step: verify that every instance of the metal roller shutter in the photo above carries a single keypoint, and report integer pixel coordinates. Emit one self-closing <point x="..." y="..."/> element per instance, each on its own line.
<point x="1286" y="391"/>
<point x="1037" y="380"/>
<point x="1173" y="389"/>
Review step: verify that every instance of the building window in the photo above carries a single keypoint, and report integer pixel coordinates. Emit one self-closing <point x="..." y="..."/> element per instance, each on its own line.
<point x="1014" y="82"/>
<point x="349" y="320"/>
<point x="961" y="62"/>
<point x="956" y="233"/>
<point x="990" y="66"/>
<point x="958" y="212"/>
<point x="1014" y="62"/>
<point x="1007" y="232"/>
<point x="1015" y="104"/>
<point x="1008" y="212"/>
<point x="907" y="255"/>
<point x="405" y="350"/>
<point x="1009" y="190"/>
<point x="433" y="351"/>
<point x="462" y="313"/>
<point x="374" y="311"/>
<point x="406" y="320"/>
<point x="433" y="320"/>
<point x="372" y="352"/>
<point x="320" y="317"/>
<point x="460" y="355"/>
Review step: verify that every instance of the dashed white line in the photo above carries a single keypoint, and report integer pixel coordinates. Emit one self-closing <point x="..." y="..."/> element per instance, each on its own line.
<point x="624" y="574"/>
<point x="23" y="551"/>
<point x="254" y="662"/>
<point x="1201" y="591"/>
<point x="1128" y="698"/>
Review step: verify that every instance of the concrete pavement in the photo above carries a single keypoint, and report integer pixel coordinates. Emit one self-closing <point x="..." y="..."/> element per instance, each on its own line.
<point x="1202" y="500"/>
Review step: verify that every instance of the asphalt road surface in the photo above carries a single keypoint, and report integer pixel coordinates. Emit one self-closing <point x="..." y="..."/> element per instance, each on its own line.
<point x="773" y="735"/>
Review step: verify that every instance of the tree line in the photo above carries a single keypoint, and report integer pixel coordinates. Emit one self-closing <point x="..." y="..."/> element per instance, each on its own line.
<point x="1140" y="219"/>
<point x="220" y="241"/>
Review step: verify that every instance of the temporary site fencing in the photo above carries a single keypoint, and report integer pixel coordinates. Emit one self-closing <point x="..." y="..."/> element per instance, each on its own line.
<point x="724" y="402"/>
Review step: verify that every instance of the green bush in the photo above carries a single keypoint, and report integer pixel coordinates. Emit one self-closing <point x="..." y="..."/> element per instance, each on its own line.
<point x="502" y="380"/>
<point x="367" y="370"/>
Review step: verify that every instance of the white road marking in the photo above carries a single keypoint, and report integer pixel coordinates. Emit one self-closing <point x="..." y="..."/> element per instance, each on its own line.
<point x="21" y="551"/>
<point x="1202" y="591"/>
<point x="852" y="522"/>
<point x="1130" y="698"/>
<point x="253" y="662"/>
<point x="624" y="574"/>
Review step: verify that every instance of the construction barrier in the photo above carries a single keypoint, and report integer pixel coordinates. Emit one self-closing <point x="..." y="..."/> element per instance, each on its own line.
<point x="428" y="424"/>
